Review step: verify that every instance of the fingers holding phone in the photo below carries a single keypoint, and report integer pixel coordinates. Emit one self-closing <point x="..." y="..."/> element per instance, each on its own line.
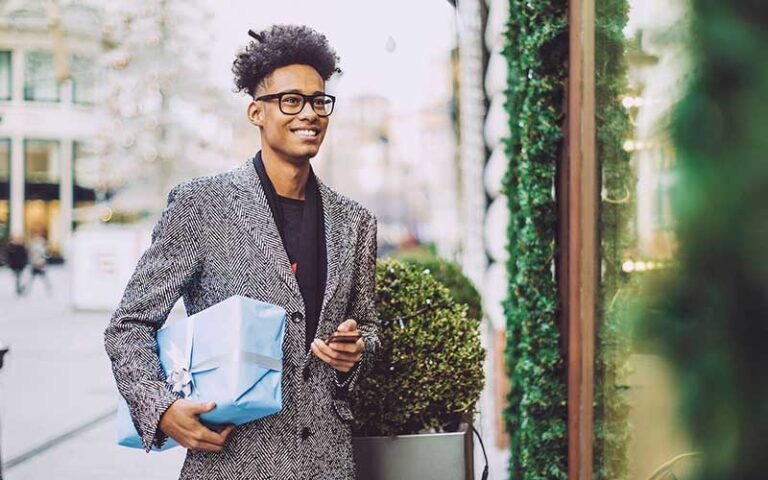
<point x="343" y="337"/>
<point x="343" y="348"/>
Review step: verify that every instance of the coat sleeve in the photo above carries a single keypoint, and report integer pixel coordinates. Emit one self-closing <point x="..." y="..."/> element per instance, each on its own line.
<point x="362" y="304"/>
<point x="159" y="280"/>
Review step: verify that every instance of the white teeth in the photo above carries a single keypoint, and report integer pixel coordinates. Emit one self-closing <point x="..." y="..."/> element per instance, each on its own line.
<point x="305" y="133"/>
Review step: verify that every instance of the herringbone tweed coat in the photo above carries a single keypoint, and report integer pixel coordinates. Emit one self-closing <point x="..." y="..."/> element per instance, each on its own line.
<point x="217" y="238"/>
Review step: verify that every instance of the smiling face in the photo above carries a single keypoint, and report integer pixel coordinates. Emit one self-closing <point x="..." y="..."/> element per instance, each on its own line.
<point x="293" y="137"/>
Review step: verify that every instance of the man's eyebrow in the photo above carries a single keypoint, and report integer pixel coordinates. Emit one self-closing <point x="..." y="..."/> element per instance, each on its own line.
<point x="296" y="90"/>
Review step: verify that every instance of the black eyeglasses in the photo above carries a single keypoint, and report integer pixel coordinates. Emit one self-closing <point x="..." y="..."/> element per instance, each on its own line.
<point x="292" y="103"/>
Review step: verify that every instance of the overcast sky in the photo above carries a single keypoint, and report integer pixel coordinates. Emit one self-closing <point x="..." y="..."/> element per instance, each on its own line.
<point x="423" y="32"/>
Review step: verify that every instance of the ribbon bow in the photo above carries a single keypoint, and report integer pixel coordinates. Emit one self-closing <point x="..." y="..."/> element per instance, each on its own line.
<point x="179" y="377"/>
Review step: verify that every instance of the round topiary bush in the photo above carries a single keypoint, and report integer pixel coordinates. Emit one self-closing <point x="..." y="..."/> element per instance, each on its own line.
<point x="428" y="375"/>
<point x="450" y="275"/>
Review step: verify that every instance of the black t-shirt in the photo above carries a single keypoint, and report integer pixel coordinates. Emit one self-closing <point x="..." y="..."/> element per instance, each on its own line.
<point x="293" y="210"/>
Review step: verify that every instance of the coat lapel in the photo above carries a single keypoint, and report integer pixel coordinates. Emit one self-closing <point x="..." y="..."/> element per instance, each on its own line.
<point x="336" y="240"/>
<point x="255" y="214"/>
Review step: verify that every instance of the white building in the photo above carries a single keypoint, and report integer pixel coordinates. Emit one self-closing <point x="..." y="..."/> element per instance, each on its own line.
<point x="482" y="80"/>
<point x="102" y="112"/>
<point x="401" y="164"/>
<point x="48" y="94"/>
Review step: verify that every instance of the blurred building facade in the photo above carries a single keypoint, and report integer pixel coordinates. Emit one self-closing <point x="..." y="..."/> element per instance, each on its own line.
<point x="49" y="57"/>
<point x="104" y="106"/>
<point x="481" y="81"/>
<point x="400" y="164"/>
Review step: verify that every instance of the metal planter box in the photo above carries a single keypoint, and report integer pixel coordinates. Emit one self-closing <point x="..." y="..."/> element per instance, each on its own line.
<point x="423" y="456"/>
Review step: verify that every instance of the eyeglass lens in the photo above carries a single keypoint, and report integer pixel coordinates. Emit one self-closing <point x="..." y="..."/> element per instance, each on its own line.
<point x="292" y="104"/>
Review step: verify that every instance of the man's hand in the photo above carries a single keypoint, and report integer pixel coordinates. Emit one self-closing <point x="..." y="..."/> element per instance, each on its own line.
<point x="181" y="423"/>
<point x="341" y="356"/>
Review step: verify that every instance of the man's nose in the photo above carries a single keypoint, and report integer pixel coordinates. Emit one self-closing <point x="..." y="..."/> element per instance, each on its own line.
<point x="307" y="111"/>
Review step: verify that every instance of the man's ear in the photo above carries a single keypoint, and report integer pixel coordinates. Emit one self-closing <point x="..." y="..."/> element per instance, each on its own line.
<point x="256" y="113"/>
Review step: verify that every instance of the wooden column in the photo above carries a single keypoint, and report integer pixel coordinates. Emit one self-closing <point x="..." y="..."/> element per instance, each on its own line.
<point x="579" y="239"/>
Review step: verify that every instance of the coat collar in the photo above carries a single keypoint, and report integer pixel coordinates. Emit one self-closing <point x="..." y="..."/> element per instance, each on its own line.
<point x="261" y="223"/>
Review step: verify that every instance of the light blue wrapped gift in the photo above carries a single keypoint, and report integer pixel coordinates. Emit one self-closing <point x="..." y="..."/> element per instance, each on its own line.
<point x="230" y="353"/>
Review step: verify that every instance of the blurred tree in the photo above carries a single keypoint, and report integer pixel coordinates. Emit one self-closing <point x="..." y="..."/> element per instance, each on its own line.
<point x="165" y="111"/>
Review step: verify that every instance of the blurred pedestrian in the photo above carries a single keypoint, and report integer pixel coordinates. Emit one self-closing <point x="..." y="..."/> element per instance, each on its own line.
<point x="17" y="258"/>
<point x="38" y="256"/>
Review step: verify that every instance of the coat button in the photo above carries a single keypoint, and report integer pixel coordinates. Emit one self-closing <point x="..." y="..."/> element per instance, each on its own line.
<point x="297" y="317"/>
<point x="305" y="433"/>
<point x="305" y="373"/>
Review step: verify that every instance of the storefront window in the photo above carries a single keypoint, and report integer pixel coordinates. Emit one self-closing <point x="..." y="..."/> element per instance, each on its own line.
<point x="42" y="161"/>
<point x="640" y="75"/>
<point x="6" y="76"/>
<point x="42" y="166"/>
<point x="40" y="83"/>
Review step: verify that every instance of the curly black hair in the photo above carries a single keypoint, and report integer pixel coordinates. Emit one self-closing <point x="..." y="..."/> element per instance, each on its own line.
<point x="278" y="46"/>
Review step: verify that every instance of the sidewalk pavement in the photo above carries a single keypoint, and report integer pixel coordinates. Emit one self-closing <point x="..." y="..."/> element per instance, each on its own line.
<point x="57" y="393"/>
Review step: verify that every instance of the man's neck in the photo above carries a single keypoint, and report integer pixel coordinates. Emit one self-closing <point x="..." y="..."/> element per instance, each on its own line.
<point x="288" y="177"/>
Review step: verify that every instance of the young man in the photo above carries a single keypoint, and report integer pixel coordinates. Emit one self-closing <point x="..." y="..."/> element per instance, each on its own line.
<point x="269" y="230"/>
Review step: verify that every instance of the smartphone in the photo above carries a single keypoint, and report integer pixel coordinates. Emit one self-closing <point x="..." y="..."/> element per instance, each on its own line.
<point x="343" y="337"/>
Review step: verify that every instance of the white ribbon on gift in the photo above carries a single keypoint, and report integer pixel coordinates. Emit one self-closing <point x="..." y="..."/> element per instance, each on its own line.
<point x="180" y="375"/>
